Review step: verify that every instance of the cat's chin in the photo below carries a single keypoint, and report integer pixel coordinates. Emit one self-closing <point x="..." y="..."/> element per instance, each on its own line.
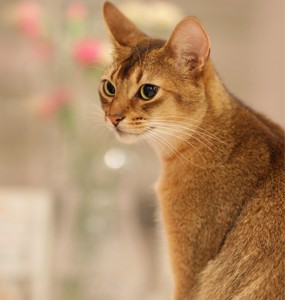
<point x="127" y="138"/>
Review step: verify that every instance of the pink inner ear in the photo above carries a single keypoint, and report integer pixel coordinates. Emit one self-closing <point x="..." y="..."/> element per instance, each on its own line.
<point x="190" y="42"/>
<point x="199" y="39"/>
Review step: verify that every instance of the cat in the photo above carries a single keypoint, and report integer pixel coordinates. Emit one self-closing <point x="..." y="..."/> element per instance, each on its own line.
<point x="221" y="187"/>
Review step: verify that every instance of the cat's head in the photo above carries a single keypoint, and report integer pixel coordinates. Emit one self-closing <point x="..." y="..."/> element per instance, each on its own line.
<point x="153" y="87"/>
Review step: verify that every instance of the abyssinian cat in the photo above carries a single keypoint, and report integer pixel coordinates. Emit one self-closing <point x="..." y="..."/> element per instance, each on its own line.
<point x="221" y="188"/>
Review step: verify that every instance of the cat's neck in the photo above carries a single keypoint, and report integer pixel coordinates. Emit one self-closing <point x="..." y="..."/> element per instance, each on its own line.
<point x="218" y="98"/>
<point x="207" y="145"/>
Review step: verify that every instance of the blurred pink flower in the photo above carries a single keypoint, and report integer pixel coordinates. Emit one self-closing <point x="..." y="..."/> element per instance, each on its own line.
<point x="53" y="102"/>
<point x="88" y="52"/>
<point x="29" y="14"/>
<point x="43" y="49"/>
<point x="76" y="11"/>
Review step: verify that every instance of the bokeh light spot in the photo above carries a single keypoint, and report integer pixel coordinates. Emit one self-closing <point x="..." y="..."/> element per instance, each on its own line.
<point x="115" y="158"/>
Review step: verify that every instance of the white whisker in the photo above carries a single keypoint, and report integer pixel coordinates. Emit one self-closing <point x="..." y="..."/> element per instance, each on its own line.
<point x="187" y="128"/>
<point x="166" y="144"/>
<point x="183" y="132"/>
<point x="189" y="123"/>
<point x="184" y="119"/>
<point x="177" y="137"/>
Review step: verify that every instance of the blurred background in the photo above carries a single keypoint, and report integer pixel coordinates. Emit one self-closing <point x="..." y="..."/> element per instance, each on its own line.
<point x="78" y="216"/>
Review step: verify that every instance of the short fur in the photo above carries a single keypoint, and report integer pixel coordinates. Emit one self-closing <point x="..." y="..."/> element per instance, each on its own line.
<point x="221" y="188"/>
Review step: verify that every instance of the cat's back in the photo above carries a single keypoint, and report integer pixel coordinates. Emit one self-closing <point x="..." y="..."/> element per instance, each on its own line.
<point x="261" y="123"/>
<point x="251" y="262"/>
<point x="256" y="136"/>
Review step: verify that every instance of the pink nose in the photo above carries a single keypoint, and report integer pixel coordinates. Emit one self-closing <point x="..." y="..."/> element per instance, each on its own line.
<point x="116" y="119"/>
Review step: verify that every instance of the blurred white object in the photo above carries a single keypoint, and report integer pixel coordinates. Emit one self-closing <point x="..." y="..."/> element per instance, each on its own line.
<point x="160" y="14"/>
<point x="115" y="158"/>
<point x="25" y="244"/>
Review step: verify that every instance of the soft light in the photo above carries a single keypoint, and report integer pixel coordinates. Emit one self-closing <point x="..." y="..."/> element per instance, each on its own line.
<point x="115" y="158"/>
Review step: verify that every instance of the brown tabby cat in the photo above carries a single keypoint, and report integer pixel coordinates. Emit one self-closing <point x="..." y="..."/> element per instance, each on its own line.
<point x="221" y="188"/>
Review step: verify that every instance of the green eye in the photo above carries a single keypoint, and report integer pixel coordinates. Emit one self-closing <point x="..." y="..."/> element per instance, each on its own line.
<point x="108" y="88"/>
<point x="148" y="91"/>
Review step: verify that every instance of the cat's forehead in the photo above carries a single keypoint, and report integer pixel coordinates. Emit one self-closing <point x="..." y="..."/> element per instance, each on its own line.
<point x="135" y="61"/>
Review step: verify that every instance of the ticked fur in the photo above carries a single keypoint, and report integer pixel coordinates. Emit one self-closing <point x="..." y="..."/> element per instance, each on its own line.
<point x="221" y="188"/>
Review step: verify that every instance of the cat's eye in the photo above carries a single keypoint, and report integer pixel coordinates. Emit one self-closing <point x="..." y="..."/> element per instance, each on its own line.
<point x="108" y="88"/>
<point x="148" y="91"/>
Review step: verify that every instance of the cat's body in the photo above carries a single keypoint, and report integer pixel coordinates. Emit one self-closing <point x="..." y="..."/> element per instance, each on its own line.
<point x="231" y="212"/>
<point x="221" y="189"/>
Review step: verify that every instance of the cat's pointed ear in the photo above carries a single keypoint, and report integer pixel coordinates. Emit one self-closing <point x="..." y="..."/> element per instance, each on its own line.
<point x="123" y="32"/>
<point x="190" y="44"/>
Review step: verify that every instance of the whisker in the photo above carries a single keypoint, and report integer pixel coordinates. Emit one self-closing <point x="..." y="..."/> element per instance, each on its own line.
<point x="139" y="55"/>
<point x="92" y="125"/>
<point x="170" y="124"/>
<point x="189" y="135"/>
<point x="146" y="54"/>
<point x="98" y="113"/>
<point x="203" y="134"/>
<point x="156" y="138"/>
<point x="199" y="129"/>
<point x="98" y="108"/>
<point x="177" y="137"/>
<point x="173" y="150"/>
<point x="175" y="118"/>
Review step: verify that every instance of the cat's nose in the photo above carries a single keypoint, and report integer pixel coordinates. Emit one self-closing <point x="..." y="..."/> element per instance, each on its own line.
<point x="116" y="119"/>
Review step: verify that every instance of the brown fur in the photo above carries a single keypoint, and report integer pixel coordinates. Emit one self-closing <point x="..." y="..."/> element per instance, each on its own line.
<point x="221" y="188"/>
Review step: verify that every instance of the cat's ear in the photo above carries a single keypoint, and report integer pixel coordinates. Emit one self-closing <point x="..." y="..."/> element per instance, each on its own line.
<point x="190" y="44"/>
<point x="123" y="32"/>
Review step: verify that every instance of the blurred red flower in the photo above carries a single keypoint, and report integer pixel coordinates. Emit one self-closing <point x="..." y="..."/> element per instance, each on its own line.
<point x="53" y="102"/>
<point x="29" y="14"/>
<point x="76" y="11"/>
<point x="88" y="52"/>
